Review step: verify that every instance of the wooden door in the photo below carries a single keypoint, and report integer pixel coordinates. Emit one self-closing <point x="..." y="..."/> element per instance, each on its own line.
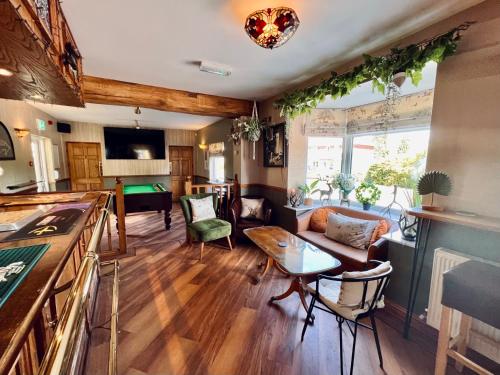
<point x="181" y="161"/>
<point x="85" y="166"/>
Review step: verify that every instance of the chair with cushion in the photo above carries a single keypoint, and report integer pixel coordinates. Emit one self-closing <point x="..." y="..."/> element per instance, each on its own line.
<point x="249" y="211"/>
<point x="205" y="227"/>
<point x="351" y="297"/>
<point x="311" y="227"/>
<point x="473" y="289"/>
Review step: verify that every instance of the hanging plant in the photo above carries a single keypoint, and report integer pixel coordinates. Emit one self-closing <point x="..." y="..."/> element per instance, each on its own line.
<point x="378" y="69"/>
<point x="248" y="128"/>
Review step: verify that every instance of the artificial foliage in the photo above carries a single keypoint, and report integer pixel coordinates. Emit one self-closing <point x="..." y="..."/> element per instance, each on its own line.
<point x="378" y="69"/>
<point x="368" y="193"/>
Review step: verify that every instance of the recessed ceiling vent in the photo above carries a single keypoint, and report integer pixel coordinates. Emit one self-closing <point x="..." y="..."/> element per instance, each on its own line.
<point x="215" y="68"/>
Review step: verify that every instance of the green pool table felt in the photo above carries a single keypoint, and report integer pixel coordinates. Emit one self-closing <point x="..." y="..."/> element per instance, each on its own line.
<point x="141" y="189"/>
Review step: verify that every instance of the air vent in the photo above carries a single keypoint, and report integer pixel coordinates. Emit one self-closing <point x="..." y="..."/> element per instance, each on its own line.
<point x="215" y="68"/>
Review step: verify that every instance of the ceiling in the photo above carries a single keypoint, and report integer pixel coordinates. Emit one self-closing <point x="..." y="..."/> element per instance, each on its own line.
<point x="159" y="42"/>
<point x="119" y="115"/>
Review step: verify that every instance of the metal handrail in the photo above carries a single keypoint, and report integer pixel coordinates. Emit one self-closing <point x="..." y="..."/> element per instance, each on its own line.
<point x="60" y="353"/>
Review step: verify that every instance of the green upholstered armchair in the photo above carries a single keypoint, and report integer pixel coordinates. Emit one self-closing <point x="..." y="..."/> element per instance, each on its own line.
<point x="204" y="230"/>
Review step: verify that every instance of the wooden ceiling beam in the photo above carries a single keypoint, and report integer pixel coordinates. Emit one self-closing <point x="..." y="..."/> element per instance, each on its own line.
<point x="108" y="91"/>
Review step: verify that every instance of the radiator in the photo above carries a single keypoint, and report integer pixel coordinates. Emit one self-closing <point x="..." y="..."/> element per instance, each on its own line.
<point x="484" y="339"/>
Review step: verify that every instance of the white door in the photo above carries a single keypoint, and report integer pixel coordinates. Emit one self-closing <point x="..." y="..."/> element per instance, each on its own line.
<point x="40" y="162"/>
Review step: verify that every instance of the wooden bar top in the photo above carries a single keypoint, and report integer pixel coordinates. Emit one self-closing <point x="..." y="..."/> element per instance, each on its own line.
<point x="477" y="221"/>
<point x="21" y="309"/>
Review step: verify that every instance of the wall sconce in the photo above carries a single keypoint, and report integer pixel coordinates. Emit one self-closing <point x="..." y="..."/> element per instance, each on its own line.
<point x="203" y="146"/>
<point x="21" y="133"/>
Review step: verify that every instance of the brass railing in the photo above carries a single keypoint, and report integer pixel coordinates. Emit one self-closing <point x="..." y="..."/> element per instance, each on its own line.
<point x="76" y="317"/>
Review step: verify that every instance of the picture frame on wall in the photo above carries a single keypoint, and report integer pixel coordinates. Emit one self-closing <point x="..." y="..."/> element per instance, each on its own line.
<point x="275" y="146"/>
<point x="7" y="151"/>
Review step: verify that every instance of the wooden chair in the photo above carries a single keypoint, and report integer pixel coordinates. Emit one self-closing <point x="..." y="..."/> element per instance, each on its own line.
<point x="473" y="289"/>
<point x="362" y="296"/>
<point x="239" y="224"/>
<point x="204" y="230"/>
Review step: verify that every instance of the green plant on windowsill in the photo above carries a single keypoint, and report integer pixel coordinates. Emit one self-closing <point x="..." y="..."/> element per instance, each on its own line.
<point x="309" y="190"/>
<point x="367" y="193"/>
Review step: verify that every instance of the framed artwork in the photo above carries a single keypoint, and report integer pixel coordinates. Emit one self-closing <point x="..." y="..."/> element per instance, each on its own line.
<point x="6" y="145"/>
<point x="275" y="146"/>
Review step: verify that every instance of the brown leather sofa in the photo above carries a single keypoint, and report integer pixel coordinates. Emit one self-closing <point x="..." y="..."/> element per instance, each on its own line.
<point x="352" y="259"/>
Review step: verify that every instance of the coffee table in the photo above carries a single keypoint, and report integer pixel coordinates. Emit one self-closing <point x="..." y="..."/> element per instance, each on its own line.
<point x="298" y="259"/>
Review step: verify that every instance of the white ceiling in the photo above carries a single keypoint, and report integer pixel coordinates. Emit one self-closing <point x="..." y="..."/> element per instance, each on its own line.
<point x="119" y="115"/>
<point x="364" y="93"/>
<point x="157" y="42"/>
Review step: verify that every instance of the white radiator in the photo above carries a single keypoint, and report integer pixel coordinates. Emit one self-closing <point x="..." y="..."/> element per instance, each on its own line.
<point x="484" y="339"/>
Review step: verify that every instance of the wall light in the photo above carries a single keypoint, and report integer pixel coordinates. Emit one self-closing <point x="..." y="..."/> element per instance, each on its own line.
<point x="203" y="146"/>
<point x="21" y="133"/>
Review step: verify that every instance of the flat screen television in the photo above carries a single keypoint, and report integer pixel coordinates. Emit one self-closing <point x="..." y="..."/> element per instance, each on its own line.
<point x="127" y="143"/>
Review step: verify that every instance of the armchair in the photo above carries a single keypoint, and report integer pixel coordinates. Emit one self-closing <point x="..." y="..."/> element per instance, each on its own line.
<point x="239" y="224"/>
<point x="204" y="230"/>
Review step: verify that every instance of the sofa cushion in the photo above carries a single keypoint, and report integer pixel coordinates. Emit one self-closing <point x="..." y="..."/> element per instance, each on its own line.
<point x="202" y="208"/>
<point x="371" y="226"/>
<point x="319" y="218"/>
<point x="349" y="256"/>
<point x="350" y="231"/>
<point x="252" y="208"/>
<point x="381" y="229"/>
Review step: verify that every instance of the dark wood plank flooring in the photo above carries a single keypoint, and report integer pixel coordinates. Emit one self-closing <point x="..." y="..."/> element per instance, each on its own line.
<point x="182" y="316"/>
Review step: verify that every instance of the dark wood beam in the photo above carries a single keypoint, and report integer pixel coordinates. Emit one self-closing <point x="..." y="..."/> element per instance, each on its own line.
<point x="108" y="91"/>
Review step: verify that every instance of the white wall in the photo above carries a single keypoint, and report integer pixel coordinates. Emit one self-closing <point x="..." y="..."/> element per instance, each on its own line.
<point x="18" y="114"/>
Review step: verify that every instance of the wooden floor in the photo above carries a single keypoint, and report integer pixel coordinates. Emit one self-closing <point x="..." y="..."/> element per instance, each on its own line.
<point x="182" y="316"/>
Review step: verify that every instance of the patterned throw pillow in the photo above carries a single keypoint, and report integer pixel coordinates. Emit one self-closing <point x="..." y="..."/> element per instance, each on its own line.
<point x="370" y="228"/>
<point x="252" y="208"/>
<point x="349" y="232"/>
<point x="202" y="209"/>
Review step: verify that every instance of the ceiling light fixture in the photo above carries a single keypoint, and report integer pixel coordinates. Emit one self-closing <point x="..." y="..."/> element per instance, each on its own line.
<point x="137" y="111"/>
<point x="5" y="72"/>
<point x="137" y="126"/>
<point x="272" y="27"/>
<point x="214" y="68"/>
<point x="36" y="97"/>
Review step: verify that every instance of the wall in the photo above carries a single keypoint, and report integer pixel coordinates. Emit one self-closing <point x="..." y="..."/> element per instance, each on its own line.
<point x="214" y="133"/>
<point x="18" y="114"/>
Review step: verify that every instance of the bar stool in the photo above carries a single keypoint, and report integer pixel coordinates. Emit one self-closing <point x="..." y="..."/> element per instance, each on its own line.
<point x="473" y="288"/>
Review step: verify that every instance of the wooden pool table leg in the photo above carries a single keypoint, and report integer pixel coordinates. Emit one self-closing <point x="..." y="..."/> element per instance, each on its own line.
<point x="167" y="220"/>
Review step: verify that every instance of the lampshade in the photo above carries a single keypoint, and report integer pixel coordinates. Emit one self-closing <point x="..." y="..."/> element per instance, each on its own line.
<point x="272" y="27"/>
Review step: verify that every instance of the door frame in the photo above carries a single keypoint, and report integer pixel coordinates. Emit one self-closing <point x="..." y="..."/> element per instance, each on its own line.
<point x="192" y="161"/>
<point x="68" y="157"/>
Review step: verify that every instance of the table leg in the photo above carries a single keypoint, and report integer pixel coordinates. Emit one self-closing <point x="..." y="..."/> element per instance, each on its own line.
<point x="268" y="265"/>
<point x="416" y="272"/>
<point x="295" y="286"/>
<point x="167" y="220"/>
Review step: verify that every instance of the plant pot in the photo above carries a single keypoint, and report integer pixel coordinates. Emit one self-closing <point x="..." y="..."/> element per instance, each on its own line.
<point x="367" y="206"/>
<point x="308" y="202"/>
<point x="399" y="78"/>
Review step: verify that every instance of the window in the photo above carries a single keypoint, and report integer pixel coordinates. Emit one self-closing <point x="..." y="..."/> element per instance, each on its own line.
<point x="388" y="159"/>
<point x="324" y="159"/>
<point x="216" y="168"/>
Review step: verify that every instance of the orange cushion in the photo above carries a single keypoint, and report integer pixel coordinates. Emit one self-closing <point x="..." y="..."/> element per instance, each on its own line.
<point x="319" y="218"/>
<point x="381" y="229"/>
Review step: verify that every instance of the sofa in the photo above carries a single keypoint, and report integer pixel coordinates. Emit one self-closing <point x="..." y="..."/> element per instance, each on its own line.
<point x="352" y="259"/>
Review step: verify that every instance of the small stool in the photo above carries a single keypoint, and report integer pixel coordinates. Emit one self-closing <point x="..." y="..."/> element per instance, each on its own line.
<point x="473" y="288"/>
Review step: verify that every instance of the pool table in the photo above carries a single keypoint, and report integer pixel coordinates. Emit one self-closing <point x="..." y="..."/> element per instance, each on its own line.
<point x="147" y="197"/>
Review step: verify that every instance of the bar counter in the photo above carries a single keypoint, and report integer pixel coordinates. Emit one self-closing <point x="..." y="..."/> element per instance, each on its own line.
<point x="28" y="316"/>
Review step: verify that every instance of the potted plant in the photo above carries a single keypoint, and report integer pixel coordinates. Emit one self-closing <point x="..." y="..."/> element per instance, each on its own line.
<point x="345" y="183"/>
<point x="308" y="190"/>
<point x="367" y="194"/>
<point x="434" y="182"/>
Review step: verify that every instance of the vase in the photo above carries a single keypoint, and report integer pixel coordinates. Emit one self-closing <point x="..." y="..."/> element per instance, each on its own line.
<point x="308" y="202"/>
<point x="408" y="226"/>
<point x="367" y="206"/>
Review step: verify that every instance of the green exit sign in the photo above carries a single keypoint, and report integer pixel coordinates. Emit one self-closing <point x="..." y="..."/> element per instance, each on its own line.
<point x="40" y="124"/>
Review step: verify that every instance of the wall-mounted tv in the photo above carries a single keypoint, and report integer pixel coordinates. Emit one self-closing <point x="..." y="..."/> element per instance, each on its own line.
<point x="127" y="143"/>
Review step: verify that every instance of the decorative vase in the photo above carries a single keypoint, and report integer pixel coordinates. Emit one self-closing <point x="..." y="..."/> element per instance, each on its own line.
<point x="408" y="226"/>
<point x="296" y="198"/>
<point x="344" y="197"/>
<point x="308" y="202"/>
<point x="367" y="206"/>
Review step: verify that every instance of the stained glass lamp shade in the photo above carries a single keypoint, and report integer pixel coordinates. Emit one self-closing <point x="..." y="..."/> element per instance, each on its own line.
<point x="271" y="28"/>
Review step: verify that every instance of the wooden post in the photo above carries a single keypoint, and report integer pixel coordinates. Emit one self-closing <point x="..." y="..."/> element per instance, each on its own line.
<point x="120" y="216"/>
<point x="188" y="186"/>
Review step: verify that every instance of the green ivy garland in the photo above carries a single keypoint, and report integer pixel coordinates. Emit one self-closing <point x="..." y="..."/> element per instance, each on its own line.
<point x="378" y="69"/>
